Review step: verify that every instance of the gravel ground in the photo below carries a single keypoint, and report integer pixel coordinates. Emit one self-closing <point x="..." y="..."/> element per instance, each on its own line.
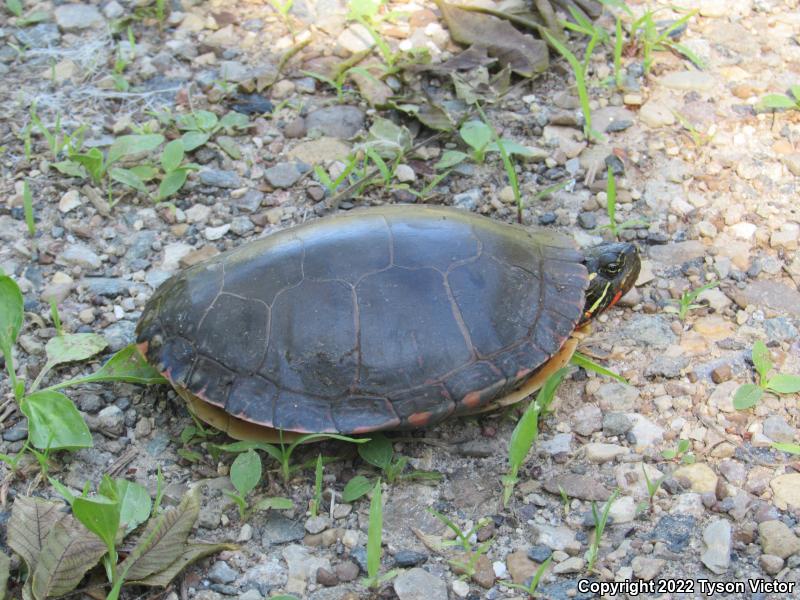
<point x="714" y="180"/>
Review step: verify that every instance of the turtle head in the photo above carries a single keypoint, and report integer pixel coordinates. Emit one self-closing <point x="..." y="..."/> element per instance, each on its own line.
<point x="613" y="269"/>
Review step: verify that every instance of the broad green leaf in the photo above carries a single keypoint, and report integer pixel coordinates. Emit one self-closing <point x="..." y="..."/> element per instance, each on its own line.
<point x="527" y="428"/>
<point x="127" y="365"/>
<point x="128" y="145"/>
<point x="795" y="89"/>
<point x="788" y="448"/>
<point x="378" y="451"/>
<point x="784" y="384"/>
<point x="375" y="532"/>
<point x="54" y="423"/>
<point x="747" y="396"/>
<point x="274" y="503"/>
<point x="358" y="486"/>
<point x="92" y="161"/>
<point x="511" y="147"/>
<point x="388" y="139"/>
<point x="63" y="490"/>
<point x="33" y="17"/>
<point x="205" y="119"/>
<point x="11" y="313"/>
<point x="172" y="155"/>
<point x="194" y="139"/>
<point x="364" y="9"/>
<point x="128" y="177"/>
<point x="775" y="101"/>
<point x="100" y="515"/>
<point x="73" y="347"/>
<point x="450" y="158"/>
<point x="476" y="134"/>
<point x="190" y="553"/>
<point x="683" y="445"/>
<point x="229" y="146"/>
<point x="163" y="540"/>
<point x="669" y="454"/>
<point x="761" y="360"/>
<point x="186" y="122"/>
<point x="69" y="551"/>
<point x="246" y="472"/>
<point x="70" y="168"/>
<point x="134" y="501"/>
<point x="173" y="182"/>
<point x="587" y="363"/>
<point x="31" y="521"/>
<point x="144" y="172"/>
<point x="5" y="571"/>
<point x="234" y="120"/>
<point x="15" y="7"/>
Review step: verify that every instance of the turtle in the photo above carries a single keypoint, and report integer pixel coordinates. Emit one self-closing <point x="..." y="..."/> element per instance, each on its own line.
<point x="389" y="317"/>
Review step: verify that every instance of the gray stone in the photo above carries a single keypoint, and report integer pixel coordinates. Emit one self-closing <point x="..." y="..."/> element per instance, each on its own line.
<point x="578" y="486"/>
<point x="409" y="558"/>
<point x="80" y="255"/>
<point x="675" y="531"/>
<point x="74" y="17"/>
<point x="647" y="568"/>
<point x="776" y="538"/>
<point x="645" y="431"/>
<point x="769" y="294"/>
<point x="587" y="220"/>
<point x="673" y="255"/>
<point x="111" y="419"/>
<point x="231" y="70"/>
<point x="17" y="432"/>
<point x="336" y="121"/>
<point x="41" y="35"/>
<point x="698" y="81"/>
<point x="555" y="538"/>
<point x="119" y="334"/>
<point x="216" y="233"/>
<point x="303" y="567"/>
<point x="220" y="179"/>
<point x="279" y="529"/>
<point x="418" y="584"/>
<point x="221" y="572"/>
<point x="587" y="419"/>
<point x="616" y="423"/>
<point x="250" y="201"/>
<point x="241" y="226"/>
<point x="284" y="175"/>
<point x="141" y="245"/>
<point x="317" y="524"/>
<point x="600" y="453"/>
<point x="561" y="443"/>
<point x="113" y="10"/>
<point x="778" y="430"/>
<point x="617" y="397"/>
<point x="780" y="329"/>
<point x="651" y="331"/>
<point x="717" y="541"/>
<point x="656" y="114"/>
<point x="468" y="200"/>
<point x="109" y="287"/>
<point x="770" y="563"/>
<point x="574" y="564"/>
<point x="669" y="367"/>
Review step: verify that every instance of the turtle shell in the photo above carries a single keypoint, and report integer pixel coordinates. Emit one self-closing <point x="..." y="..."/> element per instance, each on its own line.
<point x="382" y="318"/>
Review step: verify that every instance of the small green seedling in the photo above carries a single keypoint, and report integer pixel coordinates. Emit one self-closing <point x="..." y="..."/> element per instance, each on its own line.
<point x="472" y="553"/>
<point x="787" y="447"/>
<point x="478" y="135"/>
<point x="59" y="548"/>
<point x="652" y="490"/>
<point x="611" y="207"/>
<point x="644" y="33"/>
<point x="199" y="126"/>
<point x="749" y="394"/>
<point x="619" y="43"/>
<point x="527" y="431"/>
<point x="245" y="476"/>
<point x="681" y="451"/>
<point x="531" y="588"/>
<point x="57" y="140"/>
<point x="781" y="101"/>
<point x="333" y="184"/>
<point x="54" y="422"/>
<point x="283" y="453"/>
<point x="121" y="62"/>
<point x="14" y="7"/>
<point x="27" y="204"/>
<point x="564" y="500"/>
<point x="374" y="579"/>
<point x="316" y="501"/>
<point x="600" y="521"/>
<point x="699" y="138"/>
<point x="579" y="71"/>
<point x="687" y="300"/>
<point x="175" y="172"/>
<point x="379" y="453"/>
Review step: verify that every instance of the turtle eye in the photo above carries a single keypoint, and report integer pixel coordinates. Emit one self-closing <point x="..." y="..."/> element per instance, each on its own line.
<point x="612" y="269"/>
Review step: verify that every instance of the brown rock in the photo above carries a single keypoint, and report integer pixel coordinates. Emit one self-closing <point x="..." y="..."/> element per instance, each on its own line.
<point x="721" y="373"/>
<point x="777" y="539"/>
<point x="520" y="566"/>
<point x="326" y="578"/>
<point x="346" y="571"/>
<point x="578" y="486"/>
<point x="199" y="256"/>
<point x="769" y="294"/>
<point x="484" y="572"/>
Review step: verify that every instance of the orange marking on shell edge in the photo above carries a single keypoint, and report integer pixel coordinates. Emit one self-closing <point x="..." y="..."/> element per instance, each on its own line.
<point x="617" y="296"/>
<point x="419" y="419"/>
<point x="143" y="346"/>
<point x="359" y="430"/>
<point x="522" y="372"/>
<point x="472" y="400"/>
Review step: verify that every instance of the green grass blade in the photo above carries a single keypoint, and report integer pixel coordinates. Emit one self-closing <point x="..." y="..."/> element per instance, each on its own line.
<point x="581" y="360"/>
